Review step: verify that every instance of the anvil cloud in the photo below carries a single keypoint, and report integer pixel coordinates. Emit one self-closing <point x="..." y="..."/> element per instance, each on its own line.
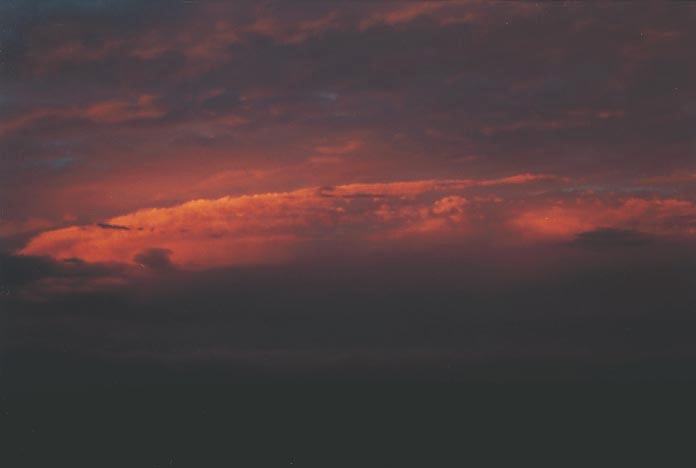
<point x="275" y="227"/>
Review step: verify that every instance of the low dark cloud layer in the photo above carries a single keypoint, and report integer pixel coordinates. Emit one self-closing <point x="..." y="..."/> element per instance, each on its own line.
<point x="609" y="238"/>
<point x="437" y="315"/>
<point x="21" y="270"/>
<point x="156" y="259"/>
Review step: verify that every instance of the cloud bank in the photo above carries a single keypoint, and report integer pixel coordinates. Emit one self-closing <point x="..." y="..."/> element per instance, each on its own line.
<point x="282" y="226"/>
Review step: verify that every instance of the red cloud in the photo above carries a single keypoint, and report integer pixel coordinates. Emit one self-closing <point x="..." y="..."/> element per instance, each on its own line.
<point x="111" y="111"/>
<point x="344" y="148"/>
<point x="270" y="227"/>
<point x="671" y="217"/>
<point x="116" y="111"/>
<point x="277" y="227"/>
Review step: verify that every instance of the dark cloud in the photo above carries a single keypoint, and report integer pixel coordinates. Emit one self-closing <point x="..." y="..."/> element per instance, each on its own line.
<point x="608" y="238"/>
<point x="155" y="259"/>
<point x="113" y="226"/>
<point x="435" y="315"/>
<point x="19" y="271"/>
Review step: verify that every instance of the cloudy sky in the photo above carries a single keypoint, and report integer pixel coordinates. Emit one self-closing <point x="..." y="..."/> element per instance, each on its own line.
<point x="348" y="186"/>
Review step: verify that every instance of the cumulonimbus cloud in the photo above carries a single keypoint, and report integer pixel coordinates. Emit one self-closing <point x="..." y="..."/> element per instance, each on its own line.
<point x="277" y="227"/>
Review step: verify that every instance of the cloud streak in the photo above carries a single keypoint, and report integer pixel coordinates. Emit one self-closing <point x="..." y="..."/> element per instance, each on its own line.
<point x="269" y="227"/>
<point x="282" y="226"/>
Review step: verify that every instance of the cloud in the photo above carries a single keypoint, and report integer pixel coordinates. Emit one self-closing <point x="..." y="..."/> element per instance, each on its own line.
<point x="278" y="227"/>
<point x="17" y="270"/>
<point x="155" y="259"/>
<point x="677" y="178"/>
<point x="273" y="227"/>
<point x="39" y="278"/>
<point x="608" y="238"/>
<point x="117" y="111"/>
<point x="10" y="228"/>
<point x="113" y="226"/>
<point x="109" y="112"/>
<point x="344" y="148"/>
<point x="394" y="16"/>
<point x="322" y="160"/>
<point x="55" y="163"/>
<point x="566" y="219"/>
<point x="419" y="187"/>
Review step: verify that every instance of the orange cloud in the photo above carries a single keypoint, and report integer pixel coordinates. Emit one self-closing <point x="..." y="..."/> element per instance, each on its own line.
<point x="206" y="42"/>
<point x="104" y="112"/>
<point x="419" y="187"/>
<point x="270" y="227"/>
<point x="14" y="227"/>
<point x="292" y="32"/>
<point x="675" y="178"/>
<point x="19" y="122"/>
<point x="116" y="111"/>
<point x="73" y="51"/>
<point x="671" y="217"/>
<point x="280" y="226"/>
<point x="203" y="40"/>
<point x="575" y="118"/>
<point x="400" y="14"/>
<point x="344" y="148"/>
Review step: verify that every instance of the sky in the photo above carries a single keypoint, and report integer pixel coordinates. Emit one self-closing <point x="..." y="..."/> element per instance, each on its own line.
<point x="460" y="189"/>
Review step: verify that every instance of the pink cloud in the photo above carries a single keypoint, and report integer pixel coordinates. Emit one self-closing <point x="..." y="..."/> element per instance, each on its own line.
<point x="270" y="227"/>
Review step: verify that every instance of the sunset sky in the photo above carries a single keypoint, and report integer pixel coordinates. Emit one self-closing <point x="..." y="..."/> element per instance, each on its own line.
<point x="348" y="185"/>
